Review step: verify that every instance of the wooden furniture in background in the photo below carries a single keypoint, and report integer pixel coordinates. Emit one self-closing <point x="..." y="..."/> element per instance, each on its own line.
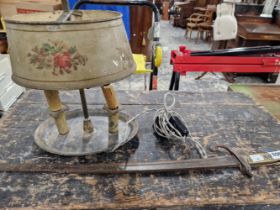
<point x="165" y="8"/>
<point x="140" y="23"/>
<point x="182" y="11"/>
<point x="262" y="31"/>
<point x="258" y="34"/>
<point x="201" y="22"/>
<point x="207" y="25"/>
<point x="253" y="30"/>
<point x="201" y="5"/>
<point x="192" y="23"/>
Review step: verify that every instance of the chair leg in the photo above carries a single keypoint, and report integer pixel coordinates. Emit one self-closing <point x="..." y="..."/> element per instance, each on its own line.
<point x="201" y="34"/>
<point x="190" y="36"/>
<point x="197" y="37"/>
<point x="208" y="36"/>
<point x="211" y="38"/>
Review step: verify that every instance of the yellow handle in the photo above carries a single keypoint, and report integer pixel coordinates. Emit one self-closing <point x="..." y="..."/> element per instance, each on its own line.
<point x="158" y="56"/>
<point x="3" y="24"/>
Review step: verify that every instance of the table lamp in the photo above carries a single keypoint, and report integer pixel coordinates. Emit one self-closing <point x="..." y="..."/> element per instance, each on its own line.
<point x="88" y="49"/>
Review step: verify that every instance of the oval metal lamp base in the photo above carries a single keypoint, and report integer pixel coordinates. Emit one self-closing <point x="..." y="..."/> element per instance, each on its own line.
<point x="79" y="143"/>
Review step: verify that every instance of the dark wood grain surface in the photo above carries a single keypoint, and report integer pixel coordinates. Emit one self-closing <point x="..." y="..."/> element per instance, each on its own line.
<point x="225" y="118"/>
<point x="259" y="31"/>
<point x="264" y="95"/>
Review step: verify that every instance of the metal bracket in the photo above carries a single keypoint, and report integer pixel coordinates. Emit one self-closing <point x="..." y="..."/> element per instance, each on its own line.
<point x="55" y="114"/>
<point x="112" y="112"/>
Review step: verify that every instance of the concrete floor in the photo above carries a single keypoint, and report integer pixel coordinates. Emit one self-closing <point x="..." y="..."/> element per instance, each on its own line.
<point x="171" y="38"/>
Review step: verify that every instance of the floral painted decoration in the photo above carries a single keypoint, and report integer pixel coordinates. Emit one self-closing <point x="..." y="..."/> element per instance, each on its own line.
<point x="58" y="56"/>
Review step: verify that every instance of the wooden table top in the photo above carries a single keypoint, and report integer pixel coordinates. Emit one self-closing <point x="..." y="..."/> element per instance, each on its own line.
<point x="265" y="95"/>
<point x="259" y="31"/>
<point x="214" y="118"/>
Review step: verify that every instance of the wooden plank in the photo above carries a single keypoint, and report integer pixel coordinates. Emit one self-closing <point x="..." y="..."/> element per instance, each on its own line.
<point x="264" y="95"/>
<point x="223" y="118"/>
<point x="258" y="31"/>
<point x="95" y="97"/>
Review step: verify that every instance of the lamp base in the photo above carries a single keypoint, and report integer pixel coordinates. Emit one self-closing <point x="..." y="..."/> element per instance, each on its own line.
<point x="78" y="142"/>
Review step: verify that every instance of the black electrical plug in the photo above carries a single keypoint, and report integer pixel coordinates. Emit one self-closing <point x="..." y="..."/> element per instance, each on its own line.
<point x="179" y="125"/>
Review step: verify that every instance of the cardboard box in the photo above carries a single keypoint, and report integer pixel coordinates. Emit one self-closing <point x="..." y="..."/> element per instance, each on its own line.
<point x="37" y="6"/>
<point x="9" y="7"/>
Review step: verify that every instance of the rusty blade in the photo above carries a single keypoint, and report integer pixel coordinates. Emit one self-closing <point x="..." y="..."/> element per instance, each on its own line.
<point x="118" y="168"/>
<point x="125" y="168"/>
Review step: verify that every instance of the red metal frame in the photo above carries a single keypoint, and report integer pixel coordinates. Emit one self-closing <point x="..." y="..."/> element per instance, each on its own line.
<point x="183" y="62"/>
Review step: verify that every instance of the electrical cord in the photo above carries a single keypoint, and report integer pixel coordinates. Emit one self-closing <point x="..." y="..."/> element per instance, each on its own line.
<point x="126" y="134"/>
<point x="172" y="126"/>
<point x="168" y="124"/>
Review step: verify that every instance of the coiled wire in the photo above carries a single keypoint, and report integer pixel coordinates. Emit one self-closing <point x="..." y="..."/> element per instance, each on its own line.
<point x="164" y="128"/>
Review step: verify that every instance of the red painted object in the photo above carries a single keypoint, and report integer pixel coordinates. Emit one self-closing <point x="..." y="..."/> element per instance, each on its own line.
<point x="183" y="62"/>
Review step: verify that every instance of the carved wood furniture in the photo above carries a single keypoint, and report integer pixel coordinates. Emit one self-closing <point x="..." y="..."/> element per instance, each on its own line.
<point x="193" y="23"/>
<point x="259" y="31"/>
<point x="200" y="22"/>
<point x="182" y="10"/>
<point x="206" y="26"/>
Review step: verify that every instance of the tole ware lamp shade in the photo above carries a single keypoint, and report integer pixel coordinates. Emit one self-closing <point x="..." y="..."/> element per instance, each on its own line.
<point x="90" y="49"/>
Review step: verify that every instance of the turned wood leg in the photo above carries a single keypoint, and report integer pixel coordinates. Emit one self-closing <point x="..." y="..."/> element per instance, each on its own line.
<point x="56" y="110"/>
<point x="113" y="106"/>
